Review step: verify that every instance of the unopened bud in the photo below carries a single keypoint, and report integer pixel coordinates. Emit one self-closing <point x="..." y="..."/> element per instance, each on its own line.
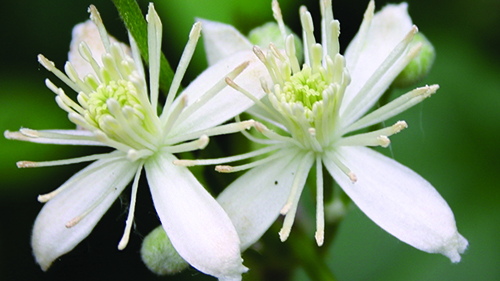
<point x="159" y="255"/>
<point x="420" y="66"/>
<point x="269" y="33"/>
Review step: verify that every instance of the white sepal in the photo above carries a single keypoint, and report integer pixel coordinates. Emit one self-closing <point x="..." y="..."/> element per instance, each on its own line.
<point x="228" y="102"/>
<point x="199" y="229"/>
<point x="222" y="40"/>
<point x="90" y="192"/>
<point x="254" y="200"/>
<point x="400" y="201"/>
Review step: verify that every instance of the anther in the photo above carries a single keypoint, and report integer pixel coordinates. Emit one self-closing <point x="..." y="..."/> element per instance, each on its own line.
<point x="224" y="168"/>
<point x="26" y="164"/>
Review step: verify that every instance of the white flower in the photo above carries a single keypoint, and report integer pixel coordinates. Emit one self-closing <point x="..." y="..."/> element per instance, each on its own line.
<point x="114" y="110"/>
<point x="316" y="109"/>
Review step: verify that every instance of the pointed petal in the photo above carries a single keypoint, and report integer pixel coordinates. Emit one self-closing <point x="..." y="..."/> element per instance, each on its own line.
<point x="100" y="183"/>
<point x="222" y="40"/>
<point x="400" y="201"/>
<point x="228" y="102"/>
<point x="254" y="200"/>
<point x="388" y="28"/>
<point x="198" y="227"/>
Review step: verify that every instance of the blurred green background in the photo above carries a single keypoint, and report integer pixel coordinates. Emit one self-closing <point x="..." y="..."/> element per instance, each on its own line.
<point x="452" y="139"/>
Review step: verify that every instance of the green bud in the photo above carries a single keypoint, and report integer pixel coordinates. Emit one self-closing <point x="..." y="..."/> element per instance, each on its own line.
<point x="270" y="32"/>
<point x="420" y="66"/>
<point x="159" y="255"/>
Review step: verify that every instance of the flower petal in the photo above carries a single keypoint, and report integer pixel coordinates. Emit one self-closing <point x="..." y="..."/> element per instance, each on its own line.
<point x="91" y="190"/>
<point x="388" y="28"/>
<point x="228" y="102"/>
<point x="198" y="227"/>
<point x="254" y="200"/>
<point x="222" y="40"/>
<point x="400" y="201"/>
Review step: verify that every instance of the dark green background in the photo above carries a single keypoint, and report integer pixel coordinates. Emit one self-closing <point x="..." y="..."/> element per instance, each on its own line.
<point x="451" y="141"/>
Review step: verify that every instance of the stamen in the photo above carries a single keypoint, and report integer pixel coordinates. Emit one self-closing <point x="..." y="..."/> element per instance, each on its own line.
<point x="86" y="54"/>
<point x="261" y="128"/>
<point x="200" y="143"/>
<point x="221" y="84"/>
<point x="64" y="101"/>
<point x="73" y="75"/>
<point x="154" y="50"/>
<point x="31" y="164"/>
<point x="279" y="18"/>
<point x="232" y="169"/>
<point x="258" y="52"/>
<point x="54" y="137"/>
<point x="215" y="131"/>
<point x="134" y="155"/>
<point x="50" y="66"/>
<point x="216" y="161"/>
<point x="378" y="137"/>
<point x="259" y="103"/>
<point x="109" y="64"/>
<point x="308" y="33"/>
<point x="115" y="109"/>
<point x="331" y="155"/>
<point x="130" y="217"/>
<point x="290" y="208"/>
<point x="80" y="121"/>
<point x="390" y="68"/>
<point x="173" y="116"/>
<point x="291" y="53"/>
<point x="316" y="56"/>
<point x="187" y="54"/>
<point x="96" y="18"/>
<point x="320" y="212"/>
<point x="393" y="108"/>
<point x="102" y="137"/>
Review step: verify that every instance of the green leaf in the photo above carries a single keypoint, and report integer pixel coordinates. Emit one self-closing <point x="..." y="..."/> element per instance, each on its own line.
<point x="134" y="20"/>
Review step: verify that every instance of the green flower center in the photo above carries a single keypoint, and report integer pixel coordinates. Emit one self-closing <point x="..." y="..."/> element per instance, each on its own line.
<point x="122" y="91"/>
<point x="305" y="87"/>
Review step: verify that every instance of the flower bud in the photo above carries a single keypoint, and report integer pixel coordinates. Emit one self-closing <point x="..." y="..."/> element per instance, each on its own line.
<point x="159" y="255"/>
<point x="420" y="66"/>
<point x="268" y="33"/>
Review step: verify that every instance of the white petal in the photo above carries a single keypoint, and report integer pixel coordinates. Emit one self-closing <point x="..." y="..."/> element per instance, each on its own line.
<point x="400" y="201"/>
<point x="228" y="102"/>
<point x="388" y="28"/>
<point x="198" y="227"/>
<point x="103" y="180"/>
<point x="254" y="200"/>
<point x="222" y="40"/>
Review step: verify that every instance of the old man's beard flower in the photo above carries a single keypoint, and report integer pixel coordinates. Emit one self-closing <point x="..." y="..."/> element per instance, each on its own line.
<point x="316" y="108"/>
<point x="113" y="109"/>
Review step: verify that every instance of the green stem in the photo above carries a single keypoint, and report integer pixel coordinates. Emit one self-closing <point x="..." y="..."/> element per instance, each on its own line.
<point x="304" y="248"/>
<point x="132" y="16"/>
